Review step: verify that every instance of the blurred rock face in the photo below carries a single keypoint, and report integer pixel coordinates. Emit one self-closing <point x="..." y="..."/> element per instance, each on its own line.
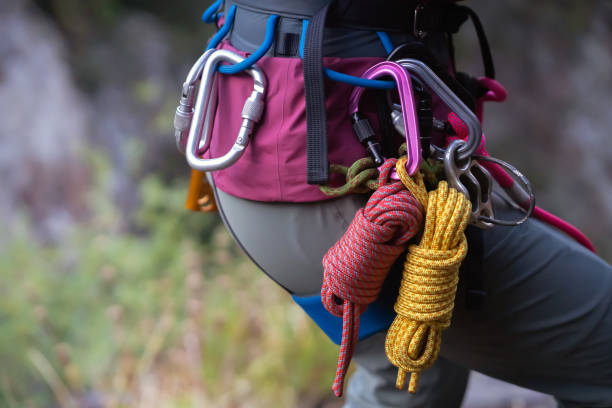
<point x="586" y="131"/>
<point x="555" y="59"/>
<point x="43" y="121"/>
<point x="103" y="90"/>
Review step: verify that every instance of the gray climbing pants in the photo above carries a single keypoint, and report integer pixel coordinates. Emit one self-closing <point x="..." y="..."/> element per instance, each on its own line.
<point x="546" y="323"/>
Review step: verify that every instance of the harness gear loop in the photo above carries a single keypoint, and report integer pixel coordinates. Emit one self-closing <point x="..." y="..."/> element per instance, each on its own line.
<point x="426" y="298"/>
<point x="357" y="265"/>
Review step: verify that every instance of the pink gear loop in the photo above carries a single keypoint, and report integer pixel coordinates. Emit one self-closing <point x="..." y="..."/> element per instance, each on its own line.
<point x="495" y="93"/>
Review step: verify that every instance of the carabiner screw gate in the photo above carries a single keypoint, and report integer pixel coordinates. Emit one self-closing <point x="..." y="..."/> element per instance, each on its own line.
<point x="182" y="118"/>
<point x="199" y="131"/>
<point x="184" y="112"/>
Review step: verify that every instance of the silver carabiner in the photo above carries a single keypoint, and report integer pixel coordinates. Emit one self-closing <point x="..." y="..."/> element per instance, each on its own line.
<point x="184" y="112"/>
<point x="472" y="179"/>
<point x="437" y="86"/>
<point x="523" y="198"/>
<point x="251" y="114"/>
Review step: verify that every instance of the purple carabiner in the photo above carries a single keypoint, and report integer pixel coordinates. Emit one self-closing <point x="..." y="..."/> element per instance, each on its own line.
<point x="404" y="88"/>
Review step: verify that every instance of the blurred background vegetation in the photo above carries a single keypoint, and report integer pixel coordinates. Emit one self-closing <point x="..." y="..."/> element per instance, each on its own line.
<point x="111" y="294"/>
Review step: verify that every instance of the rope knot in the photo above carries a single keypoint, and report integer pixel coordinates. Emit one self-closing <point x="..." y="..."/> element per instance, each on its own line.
<point x="360" y="178"/>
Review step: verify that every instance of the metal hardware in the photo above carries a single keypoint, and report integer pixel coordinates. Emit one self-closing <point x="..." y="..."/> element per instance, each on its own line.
<point x="184" y="112"/>
<point x="523" y="196"/>
<point x="474" y="180"/>
<point x="436" y="124"/>
<point x="471" y="179"/>
<point x="418" y="33"/>
<point x="437" y="86"/>
<point x="251" y="114"/>
<point x="409" y="115"/>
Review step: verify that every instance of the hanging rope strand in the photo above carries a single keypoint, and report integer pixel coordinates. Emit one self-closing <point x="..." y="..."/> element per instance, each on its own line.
<point x="357" y="265"/>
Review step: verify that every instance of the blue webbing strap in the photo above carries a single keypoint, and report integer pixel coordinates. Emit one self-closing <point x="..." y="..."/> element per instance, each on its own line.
<point x="209" y="14"/>
<point x="386" y="41"/>
<point x="311" y="51"/>
<point x="347" y="79"/>
<point x="376" y="318"/>
<point x="260" y="52"/>
<point x="227" y="25"/>
<point x="254" y="57"/>
<point x="268" y="41"/>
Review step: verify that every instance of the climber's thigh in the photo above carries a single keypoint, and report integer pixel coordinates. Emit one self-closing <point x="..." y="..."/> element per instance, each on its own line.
<point x="373" y="384"/>
<point x="288" y="240"/>
<point x="547" y="320"/>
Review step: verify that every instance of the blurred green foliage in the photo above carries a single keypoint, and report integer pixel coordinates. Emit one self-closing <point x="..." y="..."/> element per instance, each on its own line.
<point x="119" y="319"/>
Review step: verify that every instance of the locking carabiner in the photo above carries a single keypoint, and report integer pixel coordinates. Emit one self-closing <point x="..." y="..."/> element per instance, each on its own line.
<point x="437" y="86"/>
<point x="474" y="180"/>
<point x="251" y="114"/>
<point x="184" y="112"/>
<point x="406" y="95"/>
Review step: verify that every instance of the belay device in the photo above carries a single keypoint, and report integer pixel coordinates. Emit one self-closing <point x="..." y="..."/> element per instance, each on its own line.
<point x="421" y="158"/>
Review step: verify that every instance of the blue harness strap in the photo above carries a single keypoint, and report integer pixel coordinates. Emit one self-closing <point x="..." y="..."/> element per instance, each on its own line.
<point x="377" y="317"/>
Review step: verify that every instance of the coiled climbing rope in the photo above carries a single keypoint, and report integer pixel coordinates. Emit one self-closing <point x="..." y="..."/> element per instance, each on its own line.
<point x="357" y="265"/>
<point x="426" y="298"/>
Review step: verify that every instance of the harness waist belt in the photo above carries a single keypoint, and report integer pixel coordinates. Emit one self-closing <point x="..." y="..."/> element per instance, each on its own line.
<point x="375" y="15"/>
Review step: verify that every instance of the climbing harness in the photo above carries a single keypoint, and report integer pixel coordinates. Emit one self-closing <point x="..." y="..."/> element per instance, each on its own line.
<point x="292" y="145"/>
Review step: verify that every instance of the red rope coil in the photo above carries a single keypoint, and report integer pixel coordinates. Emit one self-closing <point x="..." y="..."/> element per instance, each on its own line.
<point x="357" y="265"/>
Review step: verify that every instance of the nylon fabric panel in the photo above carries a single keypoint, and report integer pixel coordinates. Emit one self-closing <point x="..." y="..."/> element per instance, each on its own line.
<point x="272" y="166"/>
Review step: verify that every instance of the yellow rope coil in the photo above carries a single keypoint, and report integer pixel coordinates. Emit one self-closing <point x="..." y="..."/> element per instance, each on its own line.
<point x="426" y="298"/>
<point x="414" y="184"/>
